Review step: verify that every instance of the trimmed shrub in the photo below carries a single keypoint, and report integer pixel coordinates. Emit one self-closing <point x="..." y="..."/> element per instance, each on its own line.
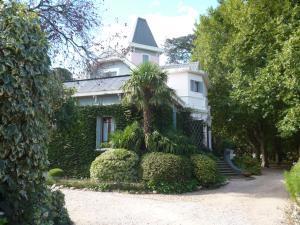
<point x="248" y="164"/>
<point x="56" y="172"/>
<point x="173" y="187"/>
<point x="117" y="165"/>
<point x="165" y="167"/>
<point x="131" y="138"/>
<point x="292" y="180"/>
<point x="204" y="169"/>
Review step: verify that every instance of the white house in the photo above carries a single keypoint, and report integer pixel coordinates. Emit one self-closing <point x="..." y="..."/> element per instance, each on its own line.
<point x="113" y="70"/>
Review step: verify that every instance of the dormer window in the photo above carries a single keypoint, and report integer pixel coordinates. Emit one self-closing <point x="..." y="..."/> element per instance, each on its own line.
<point x="145" y="58"/>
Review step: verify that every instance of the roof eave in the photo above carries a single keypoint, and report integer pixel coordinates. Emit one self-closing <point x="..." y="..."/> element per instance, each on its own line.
<point x="146" y="47"/>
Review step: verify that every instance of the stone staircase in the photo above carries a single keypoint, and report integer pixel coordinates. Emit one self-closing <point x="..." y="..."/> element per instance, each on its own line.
<point x="225" y="169"/>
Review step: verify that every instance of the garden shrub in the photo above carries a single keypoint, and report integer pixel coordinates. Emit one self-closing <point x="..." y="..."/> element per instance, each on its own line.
<point x="117" y="165"/>
<point x="292" y="180"/>
<point x="56" y="172"/>
<point x="173" y="187"/>
<point x="248" y="164"/>
<point x="73" y="148"/>
<point x="165" y="167"/>
<point x="131" y="138"/>
<point x="25" y="110"/>
<point x="204" y="169"/>
<point x="174" y="143"/>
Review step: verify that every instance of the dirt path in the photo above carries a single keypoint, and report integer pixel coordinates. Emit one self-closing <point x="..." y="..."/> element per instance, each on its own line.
<point x="242" y="202"/>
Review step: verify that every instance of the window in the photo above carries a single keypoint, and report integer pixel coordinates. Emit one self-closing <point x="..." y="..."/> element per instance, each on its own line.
<point x="145" y="58"/>
<point x="106" y="128"/>
<point x="197" y="86"/>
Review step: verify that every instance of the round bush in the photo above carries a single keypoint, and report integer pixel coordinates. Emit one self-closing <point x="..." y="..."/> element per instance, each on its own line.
<point x="56" y="172"/>
<point x="117" y="165"/>
<point x="204" y="169"/>
<point x="165" y="167"/>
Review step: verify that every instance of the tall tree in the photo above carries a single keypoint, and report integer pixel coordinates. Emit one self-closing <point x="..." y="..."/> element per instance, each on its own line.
<point x="242" y="45"/>
<point x="147" y="88"/>
<point x="68" y="25"/>
<point x="178" y="50"/>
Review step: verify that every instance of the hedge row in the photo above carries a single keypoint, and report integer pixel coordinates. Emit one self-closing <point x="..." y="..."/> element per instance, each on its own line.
<point x="72" y="147"/>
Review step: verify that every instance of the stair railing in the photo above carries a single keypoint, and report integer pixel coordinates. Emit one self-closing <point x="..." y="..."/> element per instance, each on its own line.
<point x="227" y="158"/>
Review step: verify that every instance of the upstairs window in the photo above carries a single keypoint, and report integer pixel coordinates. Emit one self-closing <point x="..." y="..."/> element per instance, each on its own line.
<point x="197" y="86"/>
<point x="145" y="58"/>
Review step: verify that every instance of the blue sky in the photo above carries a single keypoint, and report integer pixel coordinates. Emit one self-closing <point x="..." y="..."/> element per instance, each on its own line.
<point x="166" y="18"/>
<point x="123" y="9"/>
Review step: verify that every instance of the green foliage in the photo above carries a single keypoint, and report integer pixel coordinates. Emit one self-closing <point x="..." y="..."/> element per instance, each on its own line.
<point x="250" y="50"/>
<point x="132" y="138"/>
<point x="205" y="169"/>
<point x="147" y="88"/>
<point x="178" y="50"/>
<point x="248" y="164"/>
<point x="25" y="110"/>
<point x="97" y="185"/>
<point x="3" y="221"/>
<point x="173" y="187"/>
<point x="56" y="172"/>
<point x="117" y="165"/>
<point x="63" y="74"/>
<point x="72" y="148"/>
<point x="292" y="180"/>
<point x="160" y="167"/>
<point x="174" y="143"/>
<point x="53" y="209"/>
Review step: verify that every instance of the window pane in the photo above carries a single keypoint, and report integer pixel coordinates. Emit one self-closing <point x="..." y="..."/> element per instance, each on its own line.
<point x="106" y="128"/>
<point x="145" y="58"/>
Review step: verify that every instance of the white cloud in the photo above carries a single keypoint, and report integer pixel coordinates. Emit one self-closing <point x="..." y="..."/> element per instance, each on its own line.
<point x="155" y="3"/>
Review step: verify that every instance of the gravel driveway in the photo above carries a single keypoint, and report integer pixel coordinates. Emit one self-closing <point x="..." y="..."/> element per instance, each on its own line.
<point x="261" y="201"/>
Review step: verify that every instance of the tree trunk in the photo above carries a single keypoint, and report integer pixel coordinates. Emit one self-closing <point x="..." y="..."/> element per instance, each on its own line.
<point x="147" y="125"/>
<point x="264" y="158"/>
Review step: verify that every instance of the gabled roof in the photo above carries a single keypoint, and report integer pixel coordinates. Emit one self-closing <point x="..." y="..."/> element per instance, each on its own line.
<point x="142" y="34"/>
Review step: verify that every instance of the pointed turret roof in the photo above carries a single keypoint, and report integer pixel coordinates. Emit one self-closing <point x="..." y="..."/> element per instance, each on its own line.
<point x="142" y="34"/>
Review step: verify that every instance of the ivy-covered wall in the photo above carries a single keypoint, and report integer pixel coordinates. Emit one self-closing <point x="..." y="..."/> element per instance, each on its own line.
<point x="72" y="146"/>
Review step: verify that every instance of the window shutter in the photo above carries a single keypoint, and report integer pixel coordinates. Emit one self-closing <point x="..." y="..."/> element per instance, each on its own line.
<point x="192" y="85"/>
<point x="201" y="87"/>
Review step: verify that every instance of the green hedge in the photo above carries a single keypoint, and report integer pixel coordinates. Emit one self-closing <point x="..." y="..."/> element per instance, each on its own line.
<point x="205" y="169"/>
<point x="117" y="165"/>
<point x="73" y="149"/>
<point x="248" y="164"/>
<point x="165" y="167"/>
<point x="72" y="146"/>
<point x="292" y="180"/>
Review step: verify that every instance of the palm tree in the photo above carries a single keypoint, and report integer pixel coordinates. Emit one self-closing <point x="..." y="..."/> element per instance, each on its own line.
<point x="147" y="88"/>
